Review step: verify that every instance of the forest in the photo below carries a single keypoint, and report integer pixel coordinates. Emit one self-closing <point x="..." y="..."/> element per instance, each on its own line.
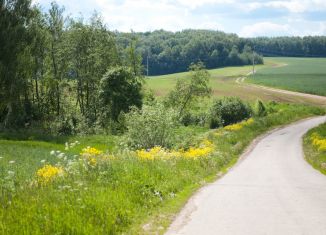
<point x="169" y="52"/>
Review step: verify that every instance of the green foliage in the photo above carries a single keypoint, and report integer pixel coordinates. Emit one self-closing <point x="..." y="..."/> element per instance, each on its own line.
<point x="170" y="52"/>
<point x="259" y="109"/>
<point x="14" y="38"/>
<point x="151" y="126"/>
<point x="309" y="46"/>
<point x="119" y="90"/>
<point x="188" y="90"/>
<point x="227" y="111"/>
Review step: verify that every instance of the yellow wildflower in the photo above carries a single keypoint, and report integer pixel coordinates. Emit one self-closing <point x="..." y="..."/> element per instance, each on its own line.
<point x="238" y="126"/>
<point x="91" y="151"/>
<point x="233" y="127"/>
<point x="150" y="154"/>
<point x="91" y="155"/>
<point x="48" y="173"/>
<point x="318" y="142"/>
<point x="158" y="152"/>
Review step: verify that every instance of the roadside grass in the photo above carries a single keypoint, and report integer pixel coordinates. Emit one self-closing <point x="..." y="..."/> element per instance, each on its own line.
<point x="307" y="75"/>
<point x="123" y="194"/>
<point x="315" y="152"/>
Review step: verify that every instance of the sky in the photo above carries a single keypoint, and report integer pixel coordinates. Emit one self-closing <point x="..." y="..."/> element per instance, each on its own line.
<point x="247" y="18"/>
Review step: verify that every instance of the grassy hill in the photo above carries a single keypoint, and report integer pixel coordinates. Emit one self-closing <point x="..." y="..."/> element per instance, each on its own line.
<point x="283" y="72"/>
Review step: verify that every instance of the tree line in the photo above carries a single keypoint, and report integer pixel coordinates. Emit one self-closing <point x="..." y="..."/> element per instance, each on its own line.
<point x="309" y="46"/>
<point x="56" y="70"/>
<point x="168" y="52"/>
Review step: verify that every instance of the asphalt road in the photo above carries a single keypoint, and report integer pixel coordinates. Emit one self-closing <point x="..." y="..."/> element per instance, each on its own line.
<point x="272" y="190"/>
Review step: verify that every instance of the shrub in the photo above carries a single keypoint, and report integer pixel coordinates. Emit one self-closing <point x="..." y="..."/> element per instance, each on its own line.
<point x="194" y="118"/>
<point x="150" y="126"/>
<point x="227" y="111"/>
<point x="119" y="90"/>
<point x="260" y="109"/>
<point x="64" y="125"/>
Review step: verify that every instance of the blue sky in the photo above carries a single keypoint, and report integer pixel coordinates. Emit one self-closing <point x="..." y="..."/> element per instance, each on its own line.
<point x="246" y="18"/>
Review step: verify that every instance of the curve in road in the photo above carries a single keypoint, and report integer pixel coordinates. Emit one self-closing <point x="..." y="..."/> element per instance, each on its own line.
<point x="273" y="190"/>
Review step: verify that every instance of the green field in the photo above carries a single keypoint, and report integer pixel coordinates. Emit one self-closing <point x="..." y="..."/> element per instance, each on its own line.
<point x="222" y="79"/>
<point x="307" y="75"/>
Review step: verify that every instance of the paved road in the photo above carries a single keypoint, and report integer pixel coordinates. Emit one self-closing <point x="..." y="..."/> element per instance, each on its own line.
<point x="272" y="190"/>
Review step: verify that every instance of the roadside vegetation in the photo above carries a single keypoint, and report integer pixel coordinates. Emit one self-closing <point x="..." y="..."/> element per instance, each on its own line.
<point x="315" y="147"/>
<point x="128" y="183"/>
<point x="305" y="75"/>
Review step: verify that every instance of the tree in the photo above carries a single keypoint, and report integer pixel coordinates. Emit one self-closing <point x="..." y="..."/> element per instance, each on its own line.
<point x="189" y="89"/>
<point x="119" y="90"/>
<point x="134" y="58"/>
<point x="15" y="15"/>
<point x="55" y="21"/>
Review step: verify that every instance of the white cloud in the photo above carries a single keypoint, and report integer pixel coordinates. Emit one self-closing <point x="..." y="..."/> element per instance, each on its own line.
<point x="196" y="3"/>
<point x="264" y="28"/>
<point x="293" y="6"/>
<point x="236" y="16"/>
<point x="147" y="15"/>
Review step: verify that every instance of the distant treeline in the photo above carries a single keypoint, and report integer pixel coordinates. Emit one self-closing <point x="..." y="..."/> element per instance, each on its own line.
<point x="170" y="52"/>
<point x="310" y="46"/>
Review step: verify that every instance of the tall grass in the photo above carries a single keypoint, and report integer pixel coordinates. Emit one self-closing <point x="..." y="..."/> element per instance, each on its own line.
<point x="122" y="193"/>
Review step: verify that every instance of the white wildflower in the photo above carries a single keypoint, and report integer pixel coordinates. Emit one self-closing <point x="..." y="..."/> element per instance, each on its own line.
<point x="42" y="161"/>
<point x="11" y="173"/>
<point x="66" y="146"/>
<point x="11" y="162"/>
<point x="61" y="155"/>
<point x="52" y="152"/>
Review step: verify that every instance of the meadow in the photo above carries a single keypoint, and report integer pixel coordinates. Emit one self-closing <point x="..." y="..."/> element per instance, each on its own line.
<point x="307" y="75"/>
<point x="95" y="185"/>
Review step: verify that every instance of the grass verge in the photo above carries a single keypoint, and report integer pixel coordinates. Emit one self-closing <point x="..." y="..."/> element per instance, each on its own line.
<point x="121" y="194"/>
<point x="314" y="146"/>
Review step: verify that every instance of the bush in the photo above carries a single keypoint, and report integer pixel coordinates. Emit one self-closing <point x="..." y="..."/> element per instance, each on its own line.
<point x="260" y="109"/>
<point x="227" y="111"/>
<point x="192" y="118"/>
<point x="64" y="125"/>
<point x="151" y="126"/>
<point x="119" y="90"/>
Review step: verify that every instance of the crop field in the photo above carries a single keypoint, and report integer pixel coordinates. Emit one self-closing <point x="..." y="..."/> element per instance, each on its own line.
<point x="307" y="75"/>
<point x="223" y="82"/>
